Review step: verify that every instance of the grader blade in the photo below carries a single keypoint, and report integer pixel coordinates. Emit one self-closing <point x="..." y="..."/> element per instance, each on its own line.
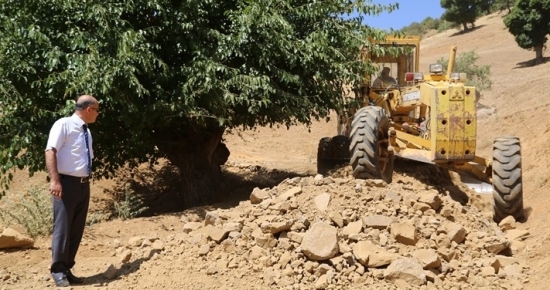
<point x="466" y="178"/>
<point x="415" y="154"/>
<point x="476" y="185"/>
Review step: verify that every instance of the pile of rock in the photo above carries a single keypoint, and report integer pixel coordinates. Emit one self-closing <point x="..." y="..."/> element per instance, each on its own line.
<point x="342" y="233"/>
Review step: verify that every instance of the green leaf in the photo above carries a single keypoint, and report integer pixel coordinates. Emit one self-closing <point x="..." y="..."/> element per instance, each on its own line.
<point x="167" y="70"/>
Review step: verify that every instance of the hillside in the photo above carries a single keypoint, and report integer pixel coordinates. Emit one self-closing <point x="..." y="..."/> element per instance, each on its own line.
<point x="519" y="94"/>
<point x="302" y="231"/>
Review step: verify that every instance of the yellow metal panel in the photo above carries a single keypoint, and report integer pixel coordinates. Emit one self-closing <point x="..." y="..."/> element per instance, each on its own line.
<point x="415" y="154"/>
<point x="453" y="122"/>
<point x="413" y="140"/>
<point x="427" y="94"/>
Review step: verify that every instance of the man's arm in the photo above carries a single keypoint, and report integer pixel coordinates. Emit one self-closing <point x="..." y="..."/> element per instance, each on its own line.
<point x="377" y="83"/>
<point x="51" y="165"/>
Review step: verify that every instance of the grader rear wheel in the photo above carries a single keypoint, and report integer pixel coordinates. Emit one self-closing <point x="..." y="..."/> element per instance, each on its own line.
<point x="332" y="152"/>
<point x="371" y="155"/>
<point x="507" y="179"/>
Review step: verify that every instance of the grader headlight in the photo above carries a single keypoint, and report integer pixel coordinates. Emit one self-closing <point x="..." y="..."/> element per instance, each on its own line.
<point x="416" y="76"/>
<point x="455" y="76"/>
<point x="436" y="68"/>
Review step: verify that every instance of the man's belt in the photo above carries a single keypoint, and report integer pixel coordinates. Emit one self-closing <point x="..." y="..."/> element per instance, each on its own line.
<point x="84" y="179"/>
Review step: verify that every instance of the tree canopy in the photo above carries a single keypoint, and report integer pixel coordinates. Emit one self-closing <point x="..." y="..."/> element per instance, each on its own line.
<point x="529" y="22"/>
<point x="423" y="27"/>
<point x="171" y="76"/>
<point x="503" y="4"/>
<point x="461" y="12"/>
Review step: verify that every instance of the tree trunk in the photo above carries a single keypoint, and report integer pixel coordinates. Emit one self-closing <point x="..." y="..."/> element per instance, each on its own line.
<point x="538" y="52"/>
<point x="465" y="26"/>
<point x="198" y="154"/>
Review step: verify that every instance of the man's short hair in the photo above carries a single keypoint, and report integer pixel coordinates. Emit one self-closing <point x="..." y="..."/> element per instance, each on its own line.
<point x="84" y="104"/>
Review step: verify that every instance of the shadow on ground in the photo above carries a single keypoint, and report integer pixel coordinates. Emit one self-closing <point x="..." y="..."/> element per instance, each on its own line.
<point x="462" y="32"/>
<point x="433" y="176"/>
<point x="159" y="190"/>
<point x="112" y="273"/>
<point x="531" y="62"/>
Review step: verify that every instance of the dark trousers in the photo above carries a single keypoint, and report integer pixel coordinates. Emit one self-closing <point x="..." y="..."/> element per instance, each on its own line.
<point x="69" y="216"/>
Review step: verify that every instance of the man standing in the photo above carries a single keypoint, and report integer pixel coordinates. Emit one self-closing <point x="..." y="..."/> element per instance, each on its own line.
<point x="69" y="161"/>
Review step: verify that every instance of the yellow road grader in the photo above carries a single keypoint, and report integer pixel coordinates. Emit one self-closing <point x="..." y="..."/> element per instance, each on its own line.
<point x="429" y="117"/>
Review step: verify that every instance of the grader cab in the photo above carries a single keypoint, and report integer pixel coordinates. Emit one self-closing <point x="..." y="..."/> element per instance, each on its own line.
<point x="429" y="117"/>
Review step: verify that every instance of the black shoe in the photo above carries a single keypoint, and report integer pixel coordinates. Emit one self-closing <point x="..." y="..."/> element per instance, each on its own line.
<point x="73" y="279"/>
<point x="60" y="280"/>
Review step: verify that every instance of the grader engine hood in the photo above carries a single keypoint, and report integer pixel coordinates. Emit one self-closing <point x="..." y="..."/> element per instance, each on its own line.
<point x="449" y="126"/>
<point x="450" y="129"/>
<point x="453" y="120"/>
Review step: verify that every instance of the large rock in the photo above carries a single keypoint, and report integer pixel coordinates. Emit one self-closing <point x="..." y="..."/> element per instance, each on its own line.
<point x="371" y="255"/>
<point x="214" y="233"/>
<point x="428" y="258"/>
<point x="406" y="269"/>
<point x="378" y="221"/>
<point x="191" y="226"/>
<point x="11" y="238"/>
<point x="135" y="242"/>
<point x="431" y="198"/>
<point x="508" y="223"/>
<point x="516" y="234"/>
<point x="276" y="227"/>
<point x="456" y="232"/>
<point x="322" y="201"/>
<point x="404" y="233"/>
<point x="353" y="228"/>
<point x="337" y="218"/>
<point x="291" y="193"/>
<point x="258" y="195"/>
<point x="320" y="242"/>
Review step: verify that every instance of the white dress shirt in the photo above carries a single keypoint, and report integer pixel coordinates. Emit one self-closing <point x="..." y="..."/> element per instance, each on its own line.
<point x="67" y="137"/>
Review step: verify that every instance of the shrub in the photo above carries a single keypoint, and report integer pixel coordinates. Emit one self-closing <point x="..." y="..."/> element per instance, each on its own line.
<point x="478" y="76"/>
<point x="31" y="210"/>
<point x="96" y="218"/>
<point x="130" y="206"/>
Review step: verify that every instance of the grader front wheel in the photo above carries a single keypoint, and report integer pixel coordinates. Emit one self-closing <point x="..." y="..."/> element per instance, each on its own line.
<point x="371" y="155"/>
<point x="507" y="180"/>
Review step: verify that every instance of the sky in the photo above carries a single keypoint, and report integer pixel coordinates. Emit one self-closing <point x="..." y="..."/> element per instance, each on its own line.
<point x="409" y="11"/>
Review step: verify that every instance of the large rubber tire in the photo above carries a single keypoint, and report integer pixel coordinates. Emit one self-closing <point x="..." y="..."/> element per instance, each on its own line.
<point x="322" y="152"/>
<point x="332" y="152"/>
<point x="371" y="155"/>
<point x="507" y="179"/>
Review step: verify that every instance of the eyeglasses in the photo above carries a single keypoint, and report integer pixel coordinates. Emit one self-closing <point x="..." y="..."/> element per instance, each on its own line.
<point x="95" y="109"/>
